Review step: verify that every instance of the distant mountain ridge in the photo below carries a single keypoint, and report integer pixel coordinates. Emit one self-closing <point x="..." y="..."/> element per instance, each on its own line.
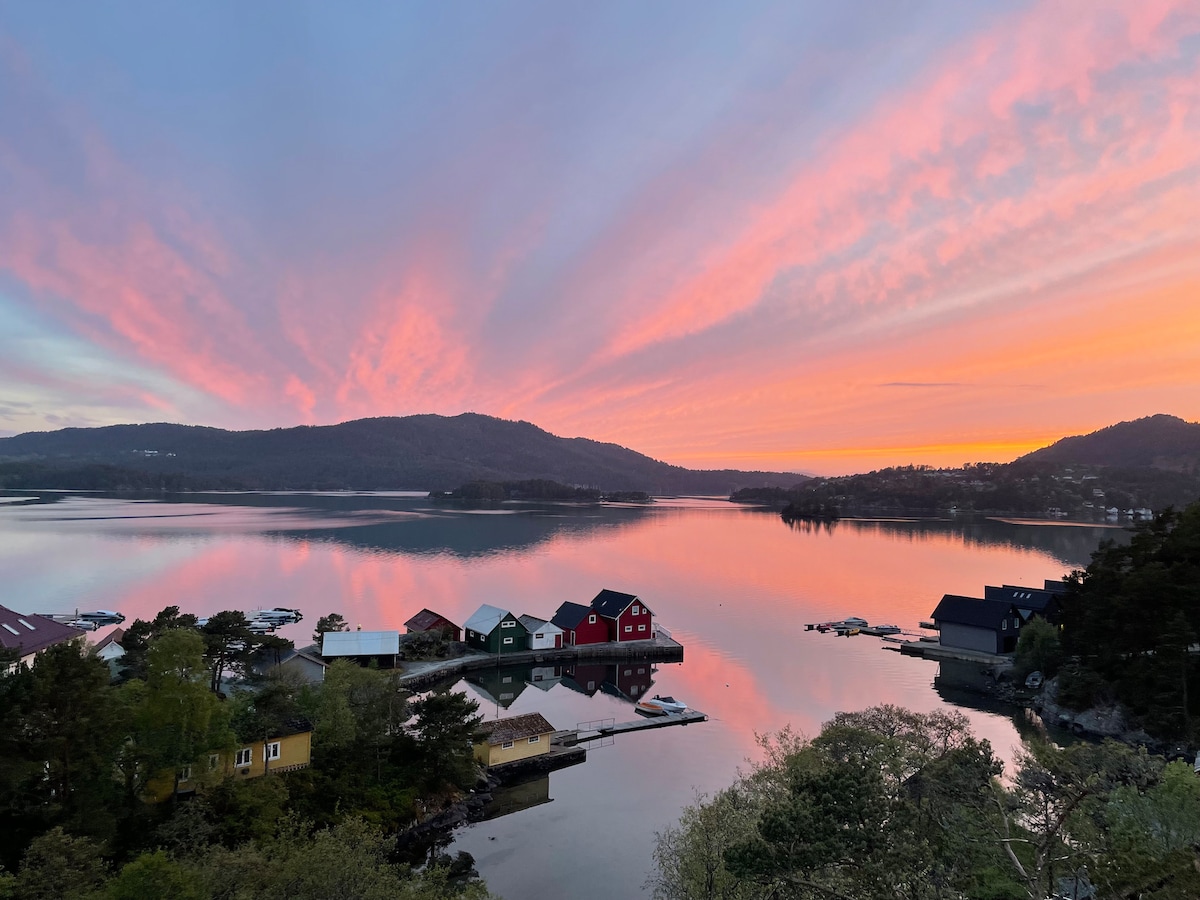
<point x="422" y="452"/>
<point x="1158" y="442"/>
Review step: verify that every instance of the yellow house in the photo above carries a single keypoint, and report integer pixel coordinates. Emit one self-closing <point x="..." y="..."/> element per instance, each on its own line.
<point x="514" y="738"/>
<point x="283" y="750"/>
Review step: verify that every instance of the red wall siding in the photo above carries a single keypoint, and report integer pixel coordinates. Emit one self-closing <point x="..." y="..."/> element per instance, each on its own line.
<point x="617" y="630"/>
<point x="591" y="634"/>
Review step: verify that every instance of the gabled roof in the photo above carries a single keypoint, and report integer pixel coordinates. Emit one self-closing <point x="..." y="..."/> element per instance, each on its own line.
<point x="515" y="728"/>
<point x="486" y="618"/>
<point x="534" y="625"/>
<point x="958" y="610"/>
<point x="32" y="633"/>
<point x="113" y="637"/>
<point x="611" y="604"/>
<point x="570" y="615"/>
<point x="360" y="643"/>
<point x="426" y="619"/>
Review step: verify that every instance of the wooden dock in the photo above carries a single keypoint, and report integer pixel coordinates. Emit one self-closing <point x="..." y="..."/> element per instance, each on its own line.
<point x="592" y="731"/>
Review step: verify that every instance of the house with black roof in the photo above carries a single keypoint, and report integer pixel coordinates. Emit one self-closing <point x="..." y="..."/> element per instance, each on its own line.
<point x="628" y="618"/>
<point x="1029" y="602"/>
<point x="580" y="625"/>
<point x="977" y="623"/>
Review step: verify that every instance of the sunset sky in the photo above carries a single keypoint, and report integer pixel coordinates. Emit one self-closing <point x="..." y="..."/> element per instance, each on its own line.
<point x="804" y="236"/>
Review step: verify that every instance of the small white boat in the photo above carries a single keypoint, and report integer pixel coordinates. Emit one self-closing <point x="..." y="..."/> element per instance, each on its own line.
<point x="887" y="629"/>
<point x="852" y="621"/>
<point x="84" y="624"/>
<point x="660" y="706"/>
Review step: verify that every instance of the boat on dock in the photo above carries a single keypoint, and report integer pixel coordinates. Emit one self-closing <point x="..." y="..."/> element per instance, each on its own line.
<point x="659" y="706"/>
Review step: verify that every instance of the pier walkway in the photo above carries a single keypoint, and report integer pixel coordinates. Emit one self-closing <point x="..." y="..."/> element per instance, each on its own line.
<point x="591" y="731"/>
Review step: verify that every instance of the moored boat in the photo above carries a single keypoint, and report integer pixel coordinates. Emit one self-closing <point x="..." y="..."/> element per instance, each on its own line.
<point x="660" y="706"/>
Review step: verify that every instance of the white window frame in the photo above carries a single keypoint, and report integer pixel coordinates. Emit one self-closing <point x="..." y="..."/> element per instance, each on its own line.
<point x="508" y="640"/>
<point x="628" y="629"/>
<point x="185" y="774"/>
<point x="248" y="754"/>
<point x="273" y="751"/>
<point x="642" y="627"/>
<point x="535" y="739"/>
<point x="1004" y="625"/>
<point x="508" y="624"/>
<point x="507" y="745"/>
<point x="592" y="619"/>
<point x="636" y="610"/>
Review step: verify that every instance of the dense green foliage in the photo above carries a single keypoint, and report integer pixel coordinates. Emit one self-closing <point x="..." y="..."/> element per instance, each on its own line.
<point x="415" y="452"/>
<point x="1129" y="621"/>
<point x="891" y="803"/>
<point x="84" y="758"/>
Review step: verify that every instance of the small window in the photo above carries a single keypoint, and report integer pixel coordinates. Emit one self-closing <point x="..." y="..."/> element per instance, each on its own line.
<point x="507" y="679"/>
<point x="642" y="627"/>
<point x="507" y="696"/>
<point x="636" y="610"/>
<point x="245" y="757"/>
<point x="642" y="670"/>
<point x="185" y="774"/>
<point x="508" y="640"/>
<point x="535" y="739"/>
<point x="591" y="619"/>
<point x="1004" y="625"/>
<point x="628" y="628"/>
<point x="508" y="624"/>
<point x="629" y="671"/>
<point x="214" y="760"/>
<point x="273" y="750"/>
<point x="507" y="745"/>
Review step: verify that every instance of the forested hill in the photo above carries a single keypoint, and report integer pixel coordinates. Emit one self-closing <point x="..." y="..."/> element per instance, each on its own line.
<point x="425" y="452"/>
<point x="1160" y="442"/>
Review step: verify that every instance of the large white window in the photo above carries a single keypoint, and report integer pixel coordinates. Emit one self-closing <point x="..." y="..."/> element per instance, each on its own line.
<point x="273" y="750"/>
<point x="244" y="757"/>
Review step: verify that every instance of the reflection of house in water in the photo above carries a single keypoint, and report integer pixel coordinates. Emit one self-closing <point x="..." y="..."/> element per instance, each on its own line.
<point x="512" y="798"/>
<point x="499" y="686"/>
<point x="629" y="680"/>
<point x="544" y="677"/>
<point x="585" y="679"/>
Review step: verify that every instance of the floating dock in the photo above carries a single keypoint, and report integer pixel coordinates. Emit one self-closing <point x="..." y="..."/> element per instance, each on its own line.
<point x="592" y="731"/>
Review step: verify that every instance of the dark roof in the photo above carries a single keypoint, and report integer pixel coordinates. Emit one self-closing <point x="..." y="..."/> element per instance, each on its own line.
<point x="973" y="611"/>
<point x="427" y="619"/>
<point x="113" y="637"/>
<point x="515" y="728"/>
<point x="298" y="725"/>
<point x="1034" y="599"/>
<point x="32" y="633"/>
<point x="570" y="614"/>
<point x="1055" y="587"/>
<point x="612" y="603"/>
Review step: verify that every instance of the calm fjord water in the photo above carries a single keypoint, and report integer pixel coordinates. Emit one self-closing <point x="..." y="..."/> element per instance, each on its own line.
<point x="735" y="586"/>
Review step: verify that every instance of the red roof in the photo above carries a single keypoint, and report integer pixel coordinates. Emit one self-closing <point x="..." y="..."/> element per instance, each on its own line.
<point x="32" y="633"/>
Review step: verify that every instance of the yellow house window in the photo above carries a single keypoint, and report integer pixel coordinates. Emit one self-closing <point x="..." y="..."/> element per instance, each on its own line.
<point x="507" y="745"/>
<point x="244" y="757"/>
<point x="535" y="739"/>
<point x="273" y="750"/>
<point x="214" y="760"/>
